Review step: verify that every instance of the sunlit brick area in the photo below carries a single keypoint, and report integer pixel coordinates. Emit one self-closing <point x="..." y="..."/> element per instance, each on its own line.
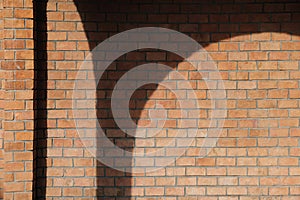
<point x="255" y="45"/>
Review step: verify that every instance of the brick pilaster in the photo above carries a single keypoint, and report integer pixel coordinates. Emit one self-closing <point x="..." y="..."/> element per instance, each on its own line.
<point x="18" y="123"/>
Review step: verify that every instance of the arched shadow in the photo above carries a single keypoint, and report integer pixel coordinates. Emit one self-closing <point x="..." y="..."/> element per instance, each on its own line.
<point x="205" y="21"/>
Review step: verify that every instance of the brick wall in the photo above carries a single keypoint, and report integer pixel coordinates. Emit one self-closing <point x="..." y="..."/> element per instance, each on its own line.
<point x="256" y="46"/>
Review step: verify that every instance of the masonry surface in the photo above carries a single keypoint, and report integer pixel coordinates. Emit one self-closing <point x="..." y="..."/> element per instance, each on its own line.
<point x="256" y="46"/>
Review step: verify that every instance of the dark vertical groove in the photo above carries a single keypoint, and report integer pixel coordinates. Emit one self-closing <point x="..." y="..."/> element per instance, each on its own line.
<point x="40" y="99"/>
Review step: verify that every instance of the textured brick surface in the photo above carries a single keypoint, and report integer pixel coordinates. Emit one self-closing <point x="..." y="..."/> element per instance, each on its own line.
<point x="17" y="98"/>
<point x="256" y="46"/>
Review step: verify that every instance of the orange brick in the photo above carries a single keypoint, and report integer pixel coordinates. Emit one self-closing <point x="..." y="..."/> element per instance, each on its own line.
<point x="206" y="161"/>
<point x="246" y="65"/>
<point x="71" y="192"/>
<point x="195" y="191"/>
<point x="14" y="187"/>
<point x="57" y="36"/>
<point x="279" y="55"/>
<point x="246" y="161"/>
<point x="66" y="46"/>
<point x="246" y="46"/>
<point x="23" y="155"/>
<point x="236" y="190"/>
<point x="62" y="162"/>
<point x="238" y="56"/>
<point x="266" y="103"/>
<point x="14" y="166"/>
<point x="267" y="65"/>
<point x="258" y="75"/>
<point x="186" y="181"/>
<point x="291" y="45"/>
<point x="178" y="191"/>
<point x="258" y="56"/>
<point x="288" y="84"/>
<point x="267" y="46"/>
<point x="22" y="13"/>
<point x="279" y="191"/>
<point x="65" y="26"/>
<point x="52" y="16"/>
<point x="247" y="85"/>
<point x="267" y="84"/>
<point x="246" y="142"/>
<point x="216" y="191"/>
<point x="261" y="36"/>
<point x="154" y="191"/>
<point x="13" y="126"/>
<point x="226" y="162"/>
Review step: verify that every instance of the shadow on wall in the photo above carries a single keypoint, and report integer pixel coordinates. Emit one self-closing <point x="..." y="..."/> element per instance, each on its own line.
<point x="110" y="182"/>
<point x="40" y="100"/>
<point x="104" y="19"/>
<point x="205" y="21"/>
